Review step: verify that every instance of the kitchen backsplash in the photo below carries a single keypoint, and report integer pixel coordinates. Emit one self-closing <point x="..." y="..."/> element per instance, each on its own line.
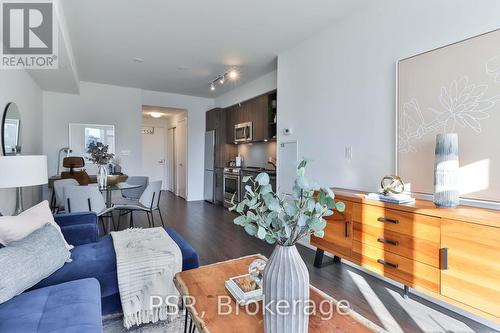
<point x="257" y="153"/>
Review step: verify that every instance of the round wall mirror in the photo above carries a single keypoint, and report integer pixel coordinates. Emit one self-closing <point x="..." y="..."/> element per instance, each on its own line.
<point x="11" y="130"/>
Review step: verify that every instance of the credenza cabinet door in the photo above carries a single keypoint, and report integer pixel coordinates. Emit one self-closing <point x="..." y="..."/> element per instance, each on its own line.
<point x="338" y="233"/>
<point x="473" y="273"/>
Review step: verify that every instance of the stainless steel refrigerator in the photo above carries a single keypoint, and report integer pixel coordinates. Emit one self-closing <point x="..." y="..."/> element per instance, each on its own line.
<point x="209" y="191"/>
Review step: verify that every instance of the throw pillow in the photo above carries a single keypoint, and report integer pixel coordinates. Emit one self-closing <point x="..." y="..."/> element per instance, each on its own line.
<point x="13" y="228"/>
<point x="26" y="262"/>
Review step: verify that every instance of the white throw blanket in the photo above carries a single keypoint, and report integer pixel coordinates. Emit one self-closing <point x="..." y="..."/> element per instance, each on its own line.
<point x="146" y="260"/>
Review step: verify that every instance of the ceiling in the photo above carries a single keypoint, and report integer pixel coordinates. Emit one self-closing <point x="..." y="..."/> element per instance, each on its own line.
<point x="187" y="43"/>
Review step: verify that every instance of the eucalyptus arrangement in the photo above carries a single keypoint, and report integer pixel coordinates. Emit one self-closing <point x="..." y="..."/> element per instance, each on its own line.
<point x="285" y="219"/>
<point x="98" y="153"/>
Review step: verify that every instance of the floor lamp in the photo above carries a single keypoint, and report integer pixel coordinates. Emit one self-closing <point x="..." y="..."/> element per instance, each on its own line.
<point x="20" y="171"/>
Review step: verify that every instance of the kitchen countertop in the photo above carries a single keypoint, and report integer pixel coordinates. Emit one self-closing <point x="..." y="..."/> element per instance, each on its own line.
<point x="271" y="172"/>
<point x="253" y="170"/>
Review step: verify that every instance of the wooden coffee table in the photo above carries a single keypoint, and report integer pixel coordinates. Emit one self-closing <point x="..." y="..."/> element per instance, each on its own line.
<point x="206" y="284"/>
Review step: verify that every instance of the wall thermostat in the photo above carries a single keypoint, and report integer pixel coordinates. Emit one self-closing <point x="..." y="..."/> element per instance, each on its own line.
<point x="287" y="131"/>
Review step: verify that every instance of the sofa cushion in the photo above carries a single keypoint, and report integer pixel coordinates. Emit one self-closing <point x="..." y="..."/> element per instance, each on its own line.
<point x="189" y="255"/>
<point x="93" y="260"/>
<point x="66" y="308"/>
<point x="13" y="228"/>
<point x="25" y="262"/>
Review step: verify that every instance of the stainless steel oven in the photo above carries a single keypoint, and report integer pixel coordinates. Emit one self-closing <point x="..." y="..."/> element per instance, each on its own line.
<point x="243" y="132"/>
<point x="231" y="185"/>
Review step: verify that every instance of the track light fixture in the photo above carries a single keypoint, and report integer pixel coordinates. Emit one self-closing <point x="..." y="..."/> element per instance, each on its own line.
<point x="231" y="74"/>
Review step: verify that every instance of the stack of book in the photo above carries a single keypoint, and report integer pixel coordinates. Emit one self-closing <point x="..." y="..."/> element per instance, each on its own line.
<point x="398" y="199"/>
<point x="243" y="289"/>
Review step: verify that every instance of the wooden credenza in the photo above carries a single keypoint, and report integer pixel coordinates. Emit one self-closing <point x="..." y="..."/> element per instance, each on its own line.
<point x="450" y="254"/>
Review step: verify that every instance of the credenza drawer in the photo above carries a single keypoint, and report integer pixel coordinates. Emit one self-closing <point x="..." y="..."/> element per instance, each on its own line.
<point x="385" y="219"/>
<point x="396" y="267"/>
<point x="421" y="250"/>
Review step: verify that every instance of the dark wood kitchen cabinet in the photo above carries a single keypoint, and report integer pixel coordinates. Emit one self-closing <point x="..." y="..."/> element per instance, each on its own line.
<point x="259" y="111"/>
<point x="219" y="187"/>
<point x="216" y="119"/>
<point x="231" y="120"/>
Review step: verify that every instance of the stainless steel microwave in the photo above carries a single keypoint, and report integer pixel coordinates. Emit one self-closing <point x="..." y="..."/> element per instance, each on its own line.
<point x="243" y="132"/>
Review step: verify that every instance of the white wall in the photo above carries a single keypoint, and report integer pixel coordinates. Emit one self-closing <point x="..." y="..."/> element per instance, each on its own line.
<point x="196" y="108"/>
<point x="249" y="90"/>
<point x="17" y="86"/>
<point x="338" y="88"/>
<point x="96" y="104"/>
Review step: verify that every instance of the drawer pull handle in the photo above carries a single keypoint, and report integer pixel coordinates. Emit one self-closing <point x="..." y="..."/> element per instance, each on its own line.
<point x="388" y="264"/>
<point x="387" y="241"/>
<point x="443" y="258"/>
<point x="385" y="219"/>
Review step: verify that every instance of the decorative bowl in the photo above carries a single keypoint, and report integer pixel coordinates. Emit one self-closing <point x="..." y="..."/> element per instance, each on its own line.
<point x="115" y="179"/>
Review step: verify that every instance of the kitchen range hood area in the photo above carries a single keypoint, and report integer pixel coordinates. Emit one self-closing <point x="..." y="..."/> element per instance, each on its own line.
<point x="240" y="140"/>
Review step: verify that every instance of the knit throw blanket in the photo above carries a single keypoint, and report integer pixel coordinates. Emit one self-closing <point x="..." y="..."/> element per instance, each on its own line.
<point x="146" y="260"/>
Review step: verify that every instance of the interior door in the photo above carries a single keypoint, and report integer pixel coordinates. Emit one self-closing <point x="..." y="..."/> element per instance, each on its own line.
<point x="171" y="161"/>
<point x="287" y="165"/>
<point x="181" y="144"/>
<point x="153" y="155"/>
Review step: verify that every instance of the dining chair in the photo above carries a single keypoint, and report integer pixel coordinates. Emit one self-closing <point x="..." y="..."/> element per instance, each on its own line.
<point x="135" y="193"/>
<point x="131" y="196"/>
<point x="148" y="203"/>
<point x="58" y="193"/>
<point x="88" y="199"/>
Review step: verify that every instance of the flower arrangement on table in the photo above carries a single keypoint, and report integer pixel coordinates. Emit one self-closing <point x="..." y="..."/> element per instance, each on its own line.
<point x="99" y="153"/>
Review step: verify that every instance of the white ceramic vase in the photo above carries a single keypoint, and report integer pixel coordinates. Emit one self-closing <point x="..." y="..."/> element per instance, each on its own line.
<point x="102" y="175"/>
<point x="286" y="284"/>
<point x="446" y="171"/>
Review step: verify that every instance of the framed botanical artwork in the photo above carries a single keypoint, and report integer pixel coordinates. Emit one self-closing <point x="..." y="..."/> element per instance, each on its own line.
<point x="452" y="89"/>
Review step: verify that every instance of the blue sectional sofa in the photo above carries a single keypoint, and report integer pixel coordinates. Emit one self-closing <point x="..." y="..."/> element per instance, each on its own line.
<point x="91" y="275"/>
<point x="71" y="307"/>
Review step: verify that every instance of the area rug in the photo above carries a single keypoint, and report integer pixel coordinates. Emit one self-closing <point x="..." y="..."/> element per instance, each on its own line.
<point x="114" y="324"/>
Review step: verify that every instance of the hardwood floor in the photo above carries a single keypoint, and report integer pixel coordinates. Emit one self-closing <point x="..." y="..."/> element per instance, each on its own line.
<point x="211" y="231"/>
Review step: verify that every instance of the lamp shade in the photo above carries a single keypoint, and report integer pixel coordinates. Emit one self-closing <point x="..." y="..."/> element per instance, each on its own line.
<point x="23" y="170"/>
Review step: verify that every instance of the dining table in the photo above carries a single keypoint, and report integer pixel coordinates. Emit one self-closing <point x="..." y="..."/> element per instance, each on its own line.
<point x="108" y="190"/>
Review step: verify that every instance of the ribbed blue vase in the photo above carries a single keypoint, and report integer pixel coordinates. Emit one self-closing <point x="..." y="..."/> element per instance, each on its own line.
<point x="446" y="170"/>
